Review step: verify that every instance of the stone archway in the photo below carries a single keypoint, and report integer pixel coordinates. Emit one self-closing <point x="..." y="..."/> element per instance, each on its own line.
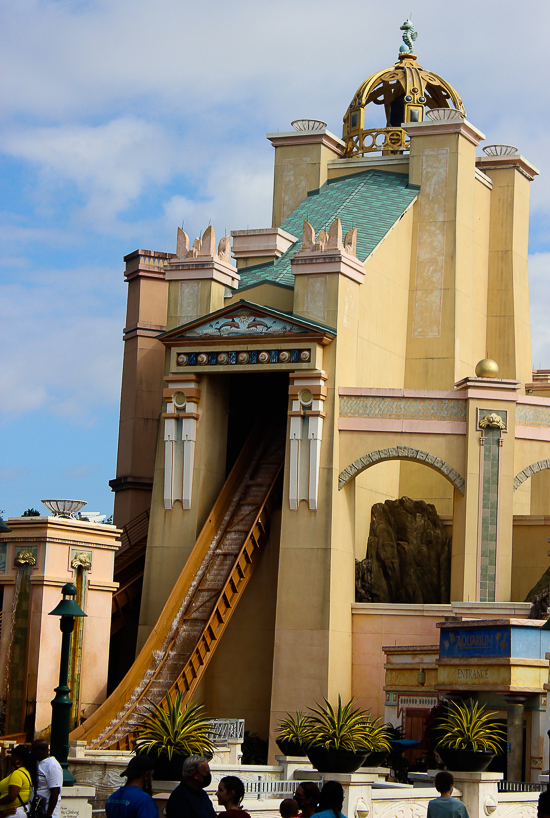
<point x="403" y="453"/>
<point x="529" y="471"/>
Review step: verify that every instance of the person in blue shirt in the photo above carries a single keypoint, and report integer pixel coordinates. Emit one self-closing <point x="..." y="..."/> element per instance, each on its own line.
<point x="134" y="799"/>
<point x="446" y="806"/>
<point x="331" y="800"/>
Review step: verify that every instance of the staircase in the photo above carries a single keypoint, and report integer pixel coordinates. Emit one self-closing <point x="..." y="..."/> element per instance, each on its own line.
<point x="200" y="605"/>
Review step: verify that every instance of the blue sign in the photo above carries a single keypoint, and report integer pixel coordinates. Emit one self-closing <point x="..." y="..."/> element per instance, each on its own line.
<point x="456" y="643"/>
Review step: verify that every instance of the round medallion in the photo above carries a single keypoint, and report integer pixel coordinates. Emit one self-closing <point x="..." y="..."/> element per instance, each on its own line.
<point x="422" y="99"/>
<point x="243" y="357"/>
<point x="179" y="399"/>
<point x="182" y="360"/>
<point x="284" y="356"/>
<point x="263" y="357"/>
<point x="304" y="355"/>
<point x="305" y="397"/>
<point x="202" y="359"/>
<point x="414" y="90"/>
<point x="223" y="358"/>
<point x="408" y="98"/>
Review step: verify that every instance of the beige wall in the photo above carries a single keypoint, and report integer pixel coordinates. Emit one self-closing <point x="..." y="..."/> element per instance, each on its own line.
<point x="172" y="534"/>
<point x="141" y="394"/>
<point x="530" y="553"/>
<point x="57" y="540"/>
<point x="270" y="295"/>
<point x="509" y="333"/>
<point x="237" y="682"/>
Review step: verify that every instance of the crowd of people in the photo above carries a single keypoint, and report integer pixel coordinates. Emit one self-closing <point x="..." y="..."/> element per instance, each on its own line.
<point x="190" y="800"/>
<point x="33" y="773"/>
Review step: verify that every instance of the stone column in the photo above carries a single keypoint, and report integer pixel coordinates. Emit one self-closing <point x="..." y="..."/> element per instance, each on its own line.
<point x="514" y="720"/>
<point x="479" y="792"/>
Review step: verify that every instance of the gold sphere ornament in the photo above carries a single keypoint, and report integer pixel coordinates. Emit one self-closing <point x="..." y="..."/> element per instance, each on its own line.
<point x="487" y="368"/>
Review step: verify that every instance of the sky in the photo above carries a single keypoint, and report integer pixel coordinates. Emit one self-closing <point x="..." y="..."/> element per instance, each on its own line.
<point x="123" y="119"/>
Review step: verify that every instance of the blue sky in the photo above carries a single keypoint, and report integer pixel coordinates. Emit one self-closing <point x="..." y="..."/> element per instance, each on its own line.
<point x="121" y="119"/>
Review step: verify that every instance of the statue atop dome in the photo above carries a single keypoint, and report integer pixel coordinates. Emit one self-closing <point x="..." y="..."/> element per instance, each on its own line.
<point x="407" y="91"/>
<point x="409" y="36"/>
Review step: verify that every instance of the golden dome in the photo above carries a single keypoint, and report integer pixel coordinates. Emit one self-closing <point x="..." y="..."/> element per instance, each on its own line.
<point x="405" y="90"/>
<point x="487" y="368"/>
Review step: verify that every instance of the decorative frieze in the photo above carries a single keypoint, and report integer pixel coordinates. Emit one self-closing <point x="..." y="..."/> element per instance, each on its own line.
<point x="529" y="415"/>
<point x="232" y="357"/>
<point x="401" y="408"/>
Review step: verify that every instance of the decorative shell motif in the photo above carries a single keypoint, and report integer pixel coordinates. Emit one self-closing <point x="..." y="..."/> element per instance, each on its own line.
<point x="81" y="560"/>
<point x="493" y="421"/>
<point x="25" y="557"/>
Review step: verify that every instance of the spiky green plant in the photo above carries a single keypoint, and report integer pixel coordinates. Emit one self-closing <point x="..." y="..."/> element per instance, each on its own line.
<point x="468" y="726"/>
<point x="346" y="728"/>
<point x="179" y="730"/>
<point x="295" y="729"/>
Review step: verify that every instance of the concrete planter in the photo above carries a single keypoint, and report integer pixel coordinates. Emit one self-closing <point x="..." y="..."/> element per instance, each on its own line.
<point x="465" y="761"/>
<point x="335" y="761"/>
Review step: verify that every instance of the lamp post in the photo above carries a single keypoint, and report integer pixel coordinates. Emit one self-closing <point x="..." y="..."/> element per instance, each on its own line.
<point x="67" y="609"/>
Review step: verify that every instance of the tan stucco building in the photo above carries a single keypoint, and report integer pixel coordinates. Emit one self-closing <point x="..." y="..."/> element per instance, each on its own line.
<point x="345" y="339"/>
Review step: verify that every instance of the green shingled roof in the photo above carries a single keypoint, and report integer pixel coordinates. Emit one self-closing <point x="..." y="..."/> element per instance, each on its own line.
<point x="371" y="201"/>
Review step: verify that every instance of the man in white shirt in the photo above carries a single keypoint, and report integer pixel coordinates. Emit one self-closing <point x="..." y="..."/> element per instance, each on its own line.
<point x="50" y="776"/>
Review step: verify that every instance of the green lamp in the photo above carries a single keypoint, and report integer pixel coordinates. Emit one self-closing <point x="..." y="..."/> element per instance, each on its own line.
<point x="67" y="609"/>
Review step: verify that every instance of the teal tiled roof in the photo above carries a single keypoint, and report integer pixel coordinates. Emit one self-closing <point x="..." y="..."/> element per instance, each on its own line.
<point x="371" y="201"/>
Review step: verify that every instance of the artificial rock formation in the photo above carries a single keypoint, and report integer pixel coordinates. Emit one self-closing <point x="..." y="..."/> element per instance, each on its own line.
<point x="408" y="555"/>
<point x="539" y="597"/>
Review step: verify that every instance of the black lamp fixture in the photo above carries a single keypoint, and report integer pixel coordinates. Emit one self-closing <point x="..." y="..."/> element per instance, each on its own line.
<point x="67" y="610"/>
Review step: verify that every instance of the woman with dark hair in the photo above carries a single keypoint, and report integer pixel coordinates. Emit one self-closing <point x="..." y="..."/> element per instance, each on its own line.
<point x="307" y="798"/>
<point x="16" y="789"/>
<point x="331" y="800"/>
<point x="230" y="793"/>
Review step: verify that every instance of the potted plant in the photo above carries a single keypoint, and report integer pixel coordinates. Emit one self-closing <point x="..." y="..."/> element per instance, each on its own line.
<point x="171" y="735"/>
<point x="294" y="734"/>
<point x="470" y="739"/>
<point x="341" y="738"/>
<point x="381" y="742"/>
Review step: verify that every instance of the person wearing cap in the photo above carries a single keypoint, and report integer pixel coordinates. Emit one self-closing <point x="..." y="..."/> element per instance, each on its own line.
<point x="50" y="776"/>
<point x="133" y="800"/>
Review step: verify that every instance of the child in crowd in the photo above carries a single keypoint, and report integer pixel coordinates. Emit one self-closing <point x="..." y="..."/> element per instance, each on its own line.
<point x="289" y="808"/>
<point x="446" y="806"/>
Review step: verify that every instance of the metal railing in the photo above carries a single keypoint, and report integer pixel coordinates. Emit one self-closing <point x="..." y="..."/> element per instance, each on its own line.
<point x="270" y="789"/>
<point x="520" y="786"/>
<point x="221" y="730"/>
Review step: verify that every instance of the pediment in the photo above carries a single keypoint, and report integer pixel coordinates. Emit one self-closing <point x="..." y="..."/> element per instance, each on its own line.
<point x="244" y="321"/>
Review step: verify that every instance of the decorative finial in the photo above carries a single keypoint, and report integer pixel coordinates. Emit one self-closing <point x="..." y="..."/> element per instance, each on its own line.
<point x="409" y="36"/>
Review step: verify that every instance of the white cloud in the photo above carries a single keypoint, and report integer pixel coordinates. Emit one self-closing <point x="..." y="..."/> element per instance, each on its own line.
<point x="63" y="329"/>
<point x="111" y="164"/>
<point x="235" y="192"/>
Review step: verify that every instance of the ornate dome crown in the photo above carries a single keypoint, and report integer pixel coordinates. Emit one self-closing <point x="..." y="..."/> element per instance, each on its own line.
<point x="405" y="90"/>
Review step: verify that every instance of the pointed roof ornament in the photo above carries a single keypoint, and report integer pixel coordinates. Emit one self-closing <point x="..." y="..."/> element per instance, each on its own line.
<point x="409" y="36"/>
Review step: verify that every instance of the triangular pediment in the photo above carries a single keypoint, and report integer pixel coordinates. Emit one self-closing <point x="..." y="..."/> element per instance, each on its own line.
<point x="245" y="320"/>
